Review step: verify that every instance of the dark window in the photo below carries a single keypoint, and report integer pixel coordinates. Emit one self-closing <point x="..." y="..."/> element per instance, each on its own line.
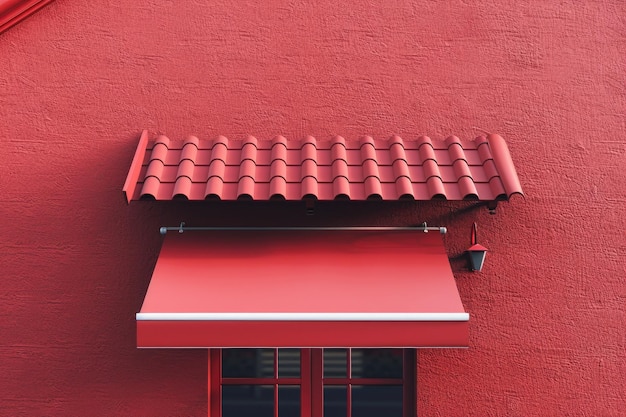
<point x="312" y="382"/>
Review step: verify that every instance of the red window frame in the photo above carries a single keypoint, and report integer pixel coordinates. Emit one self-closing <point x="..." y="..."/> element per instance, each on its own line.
<point x="312" y="382"/>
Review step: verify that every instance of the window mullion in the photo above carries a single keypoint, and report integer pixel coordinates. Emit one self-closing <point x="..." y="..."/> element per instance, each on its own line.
<point x="215" y="383"/>
<point x="305" y="385"/>
<point x="317" y="387"/>
<point x="276" y="383"/>
<point x="349" y="386"/>
<point x="260" y="381"/>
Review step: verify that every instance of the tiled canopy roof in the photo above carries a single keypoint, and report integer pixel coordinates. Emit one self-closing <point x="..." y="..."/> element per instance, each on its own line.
<point x="421" y="169"/>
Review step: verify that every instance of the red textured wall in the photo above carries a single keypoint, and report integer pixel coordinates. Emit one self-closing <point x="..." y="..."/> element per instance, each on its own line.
<point x="79" y="80"/>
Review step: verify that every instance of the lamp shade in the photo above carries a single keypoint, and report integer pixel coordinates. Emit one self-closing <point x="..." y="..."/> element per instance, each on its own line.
<point x="477" y="255"/>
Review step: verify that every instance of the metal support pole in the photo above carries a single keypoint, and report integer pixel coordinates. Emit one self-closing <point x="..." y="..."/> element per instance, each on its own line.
<point x="422" y="228"/>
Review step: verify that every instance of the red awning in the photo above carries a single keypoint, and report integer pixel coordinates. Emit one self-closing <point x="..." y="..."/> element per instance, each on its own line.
<point x="302" y="288"/>
<point x="364" y="169"/>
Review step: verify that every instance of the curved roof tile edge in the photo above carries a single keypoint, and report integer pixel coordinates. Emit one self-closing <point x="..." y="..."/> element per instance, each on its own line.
<point x="14" y="11"/>
<point x="135" y="167"/>
<point x="504" y="165"/>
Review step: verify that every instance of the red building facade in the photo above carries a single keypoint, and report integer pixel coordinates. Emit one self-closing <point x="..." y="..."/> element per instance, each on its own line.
<point x="81" y="81"/>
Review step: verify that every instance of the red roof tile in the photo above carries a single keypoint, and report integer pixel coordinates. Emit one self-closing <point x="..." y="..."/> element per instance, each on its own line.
<point x="14" y="11"/>
<point x="422" y="169"/>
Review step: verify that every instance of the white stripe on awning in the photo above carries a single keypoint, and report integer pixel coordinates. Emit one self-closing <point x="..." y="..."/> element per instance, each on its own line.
<point x="305" y="316"/>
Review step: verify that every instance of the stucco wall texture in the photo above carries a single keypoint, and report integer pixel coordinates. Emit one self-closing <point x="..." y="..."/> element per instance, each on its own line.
<point x="79" y="80"/>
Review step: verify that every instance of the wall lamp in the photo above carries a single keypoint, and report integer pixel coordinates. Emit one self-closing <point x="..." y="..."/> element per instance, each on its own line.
<point x="477" y="252"/>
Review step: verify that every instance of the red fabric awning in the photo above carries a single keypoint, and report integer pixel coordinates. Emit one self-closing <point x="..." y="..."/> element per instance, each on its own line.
<point x="302" y="288"/>
<point x="364" y="169"/>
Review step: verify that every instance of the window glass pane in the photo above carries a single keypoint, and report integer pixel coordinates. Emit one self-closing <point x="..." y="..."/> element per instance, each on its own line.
<point x="288" y="363"/>
<point x="247" y="401"/>
<point x="377" y="363"/>
<point x="247" y="363"/>
<point x="289" y="401"/>
<point x="335" y="363"/>
<point x="376" y="400"/>
<point x="335" y="401"/>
